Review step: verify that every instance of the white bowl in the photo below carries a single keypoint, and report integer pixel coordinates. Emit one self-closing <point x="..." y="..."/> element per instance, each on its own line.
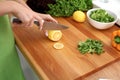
<point x="101" y="25"/>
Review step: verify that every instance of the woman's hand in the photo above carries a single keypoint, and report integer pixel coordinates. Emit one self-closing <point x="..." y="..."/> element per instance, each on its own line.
<point x="27" y="16"/>
<point x="45" y="17"/>
<point x="24" y="13"/>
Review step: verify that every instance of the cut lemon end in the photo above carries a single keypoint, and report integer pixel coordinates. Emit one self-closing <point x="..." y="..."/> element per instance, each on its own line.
<point x="54" y="35"/>
<point x="58" y="45"/>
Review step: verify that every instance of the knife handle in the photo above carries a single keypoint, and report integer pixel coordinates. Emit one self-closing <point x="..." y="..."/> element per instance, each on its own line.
<point x="15" y="20"/>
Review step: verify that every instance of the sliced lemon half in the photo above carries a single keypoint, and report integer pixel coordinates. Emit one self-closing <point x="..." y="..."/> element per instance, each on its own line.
<point x="58" y="45"/>
<point x="54" y="35"/>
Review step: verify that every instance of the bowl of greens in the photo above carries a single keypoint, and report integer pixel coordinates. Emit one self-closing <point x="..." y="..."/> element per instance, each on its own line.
<point x="101" y="18"/>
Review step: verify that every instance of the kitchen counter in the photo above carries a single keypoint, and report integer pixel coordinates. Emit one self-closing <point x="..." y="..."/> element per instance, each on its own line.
<point x="68" y="63"/>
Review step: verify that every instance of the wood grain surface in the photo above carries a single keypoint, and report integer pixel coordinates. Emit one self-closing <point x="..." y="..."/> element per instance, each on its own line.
<point x="110" y="72"/>
<point x="67" y="63"/>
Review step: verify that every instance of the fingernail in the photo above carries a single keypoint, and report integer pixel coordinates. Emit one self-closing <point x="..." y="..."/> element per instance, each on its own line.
<point x="42" y="21"/>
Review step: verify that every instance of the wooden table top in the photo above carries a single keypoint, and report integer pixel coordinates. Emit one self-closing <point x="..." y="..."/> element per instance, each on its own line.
<point x="68" y="63"/>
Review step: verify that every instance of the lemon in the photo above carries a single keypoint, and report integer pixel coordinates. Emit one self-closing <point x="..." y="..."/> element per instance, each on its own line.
<point x="79" y="16"/>
<point x="54" y="35"/>
<point x="58" y="45"/>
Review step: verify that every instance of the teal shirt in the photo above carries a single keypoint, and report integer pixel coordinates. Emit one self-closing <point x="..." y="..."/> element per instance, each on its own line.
<point x="10" y="68"/>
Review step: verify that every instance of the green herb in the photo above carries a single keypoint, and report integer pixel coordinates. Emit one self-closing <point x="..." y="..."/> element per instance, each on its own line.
<point x="101" y="16"/>
<point x="67" y="7"/>
<point x="91" y="46"/>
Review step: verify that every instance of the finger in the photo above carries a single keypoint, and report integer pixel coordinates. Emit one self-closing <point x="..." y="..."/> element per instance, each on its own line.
<point x="41" y="24"/>
<point x="31" y="22"/>
<point x="48" y="17"/>
<point x="46" y="32"/>
<point x="26" y="25"/>
<point x="41" y="21"/>
<point x="25" y="22"/>
<point x="51" y="19"/>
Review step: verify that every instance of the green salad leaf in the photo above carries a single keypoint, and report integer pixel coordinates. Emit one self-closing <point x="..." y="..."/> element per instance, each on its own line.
<point x="90" y="46"/>
<point x="101" y="15"/>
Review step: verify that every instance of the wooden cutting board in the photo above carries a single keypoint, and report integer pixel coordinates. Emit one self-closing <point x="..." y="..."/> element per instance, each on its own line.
<point x="67" y="63"/>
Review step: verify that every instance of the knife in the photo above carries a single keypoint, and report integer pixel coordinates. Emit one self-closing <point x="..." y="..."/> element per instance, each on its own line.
<point x="46" y="26"/>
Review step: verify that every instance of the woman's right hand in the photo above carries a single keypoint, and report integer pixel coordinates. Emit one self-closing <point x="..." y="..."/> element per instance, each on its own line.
<point x="27" y="16"/>
<point x="23" y="13"/>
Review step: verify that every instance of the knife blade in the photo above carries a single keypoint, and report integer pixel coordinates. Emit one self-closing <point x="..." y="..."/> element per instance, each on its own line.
<point x="46" y="26"/>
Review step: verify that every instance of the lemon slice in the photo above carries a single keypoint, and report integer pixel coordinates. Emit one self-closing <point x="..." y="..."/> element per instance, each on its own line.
<point x="58" y="45"/>
<point x="79" y="16"/>
<point x="54" y="35"/>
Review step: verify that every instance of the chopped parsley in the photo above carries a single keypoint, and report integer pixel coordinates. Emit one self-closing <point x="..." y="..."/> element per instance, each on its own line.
<point x="90" y="46"/>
